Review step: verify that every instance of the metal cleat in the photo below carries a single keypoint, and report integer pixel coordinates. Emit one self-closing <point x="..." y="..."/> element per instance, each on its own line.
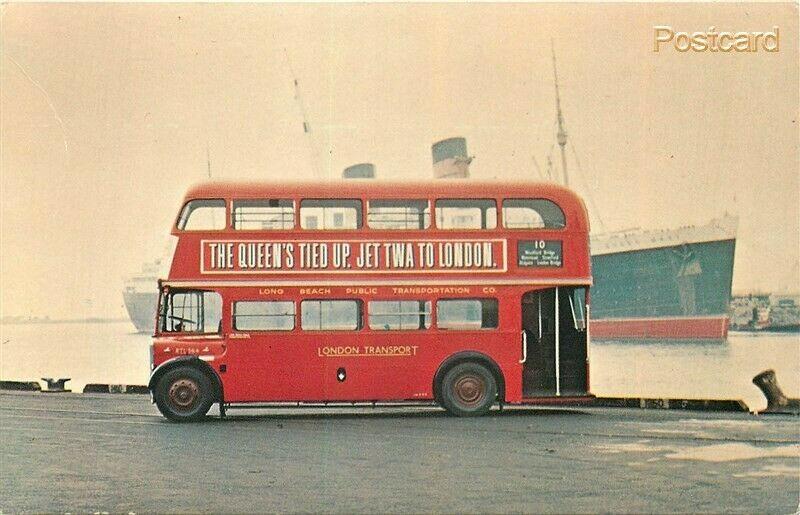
<point x="777" y="402"/>
<point x="56" y="385"/>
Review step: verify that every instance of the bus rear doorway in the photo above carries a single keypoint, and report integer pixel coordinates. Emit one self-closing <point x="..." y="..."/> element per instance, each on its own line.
<point x="554" y="343"/>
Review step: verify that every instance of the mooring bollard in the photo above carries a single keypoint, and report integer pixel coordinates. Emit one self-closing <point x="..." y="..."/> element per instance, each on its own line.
<point x="55" y="385"/>
<point x="777" y="402"/>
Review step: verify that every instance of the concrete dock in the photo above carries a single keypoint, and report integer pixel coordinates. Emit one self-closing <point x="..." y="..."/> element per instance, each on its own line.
<point x="114" y="453"/>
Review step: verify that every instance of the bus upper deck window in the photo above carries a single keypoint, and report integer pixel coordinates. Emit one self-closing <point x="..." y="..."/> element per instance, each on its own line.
<point x="202" y="215"/>
<point x="330" y="214"/>
<point x="526" y="213"/>
<point x="466" y="214"/>
<point x="263" y="214"/>
<point x="398" y="214"/>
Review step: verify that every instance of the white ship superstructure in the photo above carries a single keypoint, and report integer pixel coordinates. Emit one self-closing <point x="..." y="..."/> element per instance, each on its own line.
<point x="718" y="229"/>
<point x="141" y="296"/>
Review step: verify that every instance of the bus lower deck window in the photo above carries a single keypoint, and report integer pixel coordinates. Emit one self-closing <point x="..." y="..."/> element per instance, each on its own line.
<point x="330" y="315"/>
<point x="466" y="314"/>
<point x="263" y="315"/>
<point x="399" y="315"/>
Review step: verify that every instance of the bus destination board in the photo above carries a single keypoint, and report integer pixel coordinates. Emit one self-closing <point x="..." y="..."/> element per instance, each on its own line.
<point x="539" y="253"/>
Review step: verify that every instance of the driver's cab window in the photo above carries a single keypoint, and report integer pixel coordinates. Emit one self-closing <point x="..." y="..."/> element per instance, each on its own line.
<point x="191" y="311"/>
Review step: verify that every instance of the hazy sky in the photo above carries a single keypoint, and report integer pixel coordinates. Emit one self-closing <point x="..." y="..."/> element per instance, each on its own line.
<point x="107" y="111"/>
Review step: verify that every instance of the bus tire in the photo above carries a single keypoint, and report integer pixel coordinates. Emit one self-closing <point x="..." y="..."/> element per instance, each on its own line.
<point x="468" y="389"/>
<point x="184" y="394"/>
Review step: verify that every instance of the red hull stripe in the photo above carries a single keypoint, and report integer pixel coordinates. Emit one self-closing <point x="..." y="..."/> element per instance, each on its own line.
<point x="666" y="328"/>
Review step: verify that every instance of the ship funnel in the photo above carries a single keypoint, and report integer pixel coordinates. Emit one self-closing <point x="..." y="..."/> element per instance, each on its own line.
<point x="359" y="171"/>
<point x="450" y="159"/>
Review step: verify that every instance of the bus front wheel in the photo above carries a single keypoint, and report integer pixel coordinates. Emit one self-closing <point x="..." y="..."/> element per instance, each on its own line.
<point x="183" y="394"/>
<point x="468" y="390"/>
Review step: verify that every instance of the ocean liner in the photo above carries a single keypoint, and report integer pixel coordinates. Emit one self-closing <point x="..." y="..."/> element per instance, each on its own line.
<point x="665" y="284"/>
<point x="141" y="296"/>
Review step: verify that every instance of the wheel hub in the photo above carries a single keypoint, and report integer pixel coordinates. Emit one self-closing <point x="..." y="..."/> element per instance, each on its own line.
<point x="183" y="394"/>
<point x="470" y="389"/>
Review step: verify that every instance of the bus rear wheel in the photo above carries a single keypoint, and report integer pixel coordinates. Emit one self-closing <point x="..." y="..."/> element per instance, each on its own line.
<point x="183" y="394"/>
<point x="468" y="390"/>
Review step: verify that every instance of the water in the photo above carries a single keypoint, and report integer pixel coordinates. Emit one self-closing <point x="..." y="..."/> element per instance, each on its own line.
<point x="696" y="369"/>
<point x="87" y="353"/>
<point x="114" y="354"/>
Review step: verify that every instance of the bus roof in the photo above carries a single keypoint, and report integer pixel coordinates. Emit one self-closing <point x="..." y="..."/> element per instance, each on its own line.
<point x="371" y="187"/>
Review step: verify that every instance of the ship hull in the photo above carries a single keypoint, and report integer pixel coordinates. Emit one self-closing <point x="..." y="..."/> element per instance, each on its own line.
<point x="673" y="292"/>
<point x="677" y="328"/>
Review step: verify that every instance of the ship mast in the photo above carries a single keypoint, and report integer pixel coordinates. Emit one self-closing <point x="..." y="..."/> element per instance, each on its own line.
<point x="561" y="138"/>
<point x="561" y="135"/>
<point x="316" y="161"/>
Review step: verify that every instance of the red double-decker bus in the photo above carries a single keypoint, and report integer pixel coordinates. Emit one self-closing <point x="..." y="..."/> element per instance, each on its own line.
<point x="466" y="294"/>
